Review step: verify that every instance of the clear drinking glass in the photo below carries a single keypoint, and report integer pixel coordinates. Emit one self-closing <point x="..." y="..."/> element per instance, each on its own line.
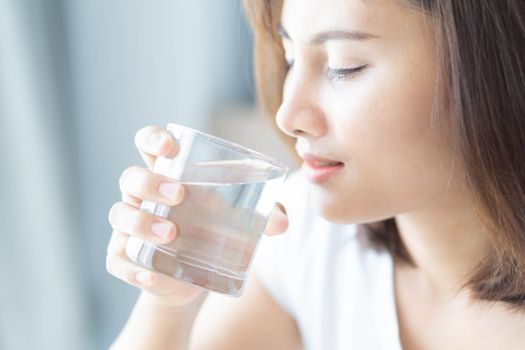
<point x="229" y="193"/>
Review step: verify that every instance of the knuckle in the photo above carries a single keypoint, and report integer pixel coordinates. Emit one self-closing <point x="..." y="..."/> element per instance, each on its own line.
<point x="117" y="268"/>
<point x="139" y="135"/>
<point x="115" y="244"/>
<point x="142" y="134"/>
<point x="145" y="181"/>
<point x="110" y="263"/>
<point x="129" y="276"/>
<point x="110" y="248"/>
<point x="139" y="221"/>
<point x="136" y="180"/>
<point x="113" y="213"/>
<point x="125" y="175"/>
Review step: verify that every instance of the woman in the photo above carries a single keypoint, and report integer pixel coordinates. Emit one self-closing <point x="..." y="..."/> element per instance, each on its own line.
<point x="406" y="224"/>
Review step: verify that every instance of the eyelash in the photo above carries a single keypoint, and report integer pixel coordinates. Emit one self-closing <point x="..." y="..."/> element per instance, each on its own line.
<point x="344" y="73"/>
<point x="334" y="74"/>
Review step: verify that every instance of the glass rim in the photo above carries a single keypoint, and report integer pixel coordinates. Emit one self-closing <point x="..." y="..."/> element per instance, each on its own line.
<point x="232" y="145"/>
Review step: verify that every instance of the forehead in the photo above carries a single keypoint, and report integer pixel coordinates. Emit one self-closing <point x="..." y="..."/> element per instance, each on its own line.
<point x="303" y="18"/>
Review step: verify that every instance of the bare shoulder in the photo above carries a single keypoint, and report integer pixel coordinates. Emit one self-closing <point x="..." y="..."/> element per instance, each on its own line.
<point x="253" y="321"/>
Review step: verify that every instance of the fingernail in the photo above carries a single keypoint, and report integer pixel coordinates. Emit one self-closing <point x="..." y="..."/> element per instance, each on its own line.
<point x="282" y="208"/>
<point x="161" y="229"/>
<point x="154" y="138"/>
<point x="143" y="277"/>
<point x="170" y="190"/>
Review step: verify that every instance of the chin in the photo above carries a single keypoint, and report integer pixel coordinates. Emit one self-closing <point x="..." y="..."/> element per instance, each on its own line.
<point x="333" y="216"/>
<point x="337" y="209"/>
<point x="332" y="209"/>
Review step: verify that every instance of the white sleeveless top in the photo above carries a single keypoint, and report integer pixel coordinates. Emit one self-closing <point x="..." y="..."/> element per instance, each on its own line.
<point x="339" y="291"/>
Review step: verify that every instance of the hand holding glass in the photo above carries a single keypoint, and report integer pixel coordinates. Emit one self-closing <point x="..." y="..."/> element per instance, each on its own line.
<point x="229" y="194"/>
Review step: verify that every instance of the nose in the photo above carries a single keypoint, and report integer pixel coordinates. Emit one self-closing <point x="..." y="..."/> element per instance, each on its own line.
<point x="299" y="114"/>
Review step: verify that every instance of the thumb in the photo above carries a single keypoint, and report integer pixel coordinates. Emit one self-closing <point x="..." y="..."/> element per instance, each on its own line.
<point x="278" y="221"/>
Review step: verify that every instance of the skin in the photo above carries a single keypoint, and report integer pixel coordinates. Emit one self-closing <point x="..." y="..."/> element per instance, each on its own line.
<point x="376" y="121"/>
<point x="397" y="164"/>
<point x="165" y="315"/>
<point x="138" y="183"/>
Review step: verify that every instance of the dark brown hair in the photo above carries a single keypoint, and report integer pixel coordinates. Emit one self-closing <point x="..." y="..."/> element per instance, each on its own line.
<point x="482" y="79"/>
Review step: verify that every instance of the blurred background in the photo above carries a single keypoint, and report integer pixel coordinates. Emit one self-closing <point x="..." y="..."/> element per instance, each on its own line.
<point x="77" y="80"/>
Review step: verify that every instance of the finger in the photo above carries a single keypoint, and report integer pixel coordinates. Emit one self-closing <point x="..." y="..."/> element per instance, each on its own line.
<point x="154" y="141"/>
<point x="129" y="272"/>
<point x="278" y="221"/>
<point x="143" y="183"/>
<point x="154" y="282"/>
<point x="117" y="243"/>
<point x="128" y="219"/>
<point x="166" y="285"/>
<point x="131" y="200"/>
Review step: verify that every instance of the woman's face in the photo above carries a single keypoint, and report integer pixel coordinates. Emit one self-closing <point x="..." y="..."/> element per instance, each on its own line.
<point x="376" y="118"/>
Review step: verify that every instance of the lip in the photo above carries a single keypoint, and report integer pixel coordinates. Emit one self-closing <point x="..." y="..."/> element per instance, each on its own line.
<point x="318" y="174"/>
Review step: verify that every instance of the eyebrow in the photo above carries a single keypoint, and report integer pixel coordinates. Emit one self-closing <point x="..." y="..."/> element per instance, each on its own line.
<point x="322" y="37"/>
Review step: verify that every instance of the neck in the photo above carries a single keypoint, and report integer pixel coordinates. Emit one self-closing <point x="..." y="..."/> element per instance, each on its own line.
<point x="445" y="243"/>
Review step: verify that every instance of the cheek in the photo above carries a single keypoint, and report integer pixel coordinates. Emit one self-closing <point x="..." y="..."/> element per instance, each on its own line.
<point x="396" y="160"/>
<point x="407" y="154"/>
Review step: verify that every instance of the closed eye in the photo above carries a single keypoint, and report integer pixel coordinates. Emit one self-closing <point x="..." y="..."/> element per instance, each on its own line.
<point x="338" y="74"/>
<point x="344" y="73"/>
